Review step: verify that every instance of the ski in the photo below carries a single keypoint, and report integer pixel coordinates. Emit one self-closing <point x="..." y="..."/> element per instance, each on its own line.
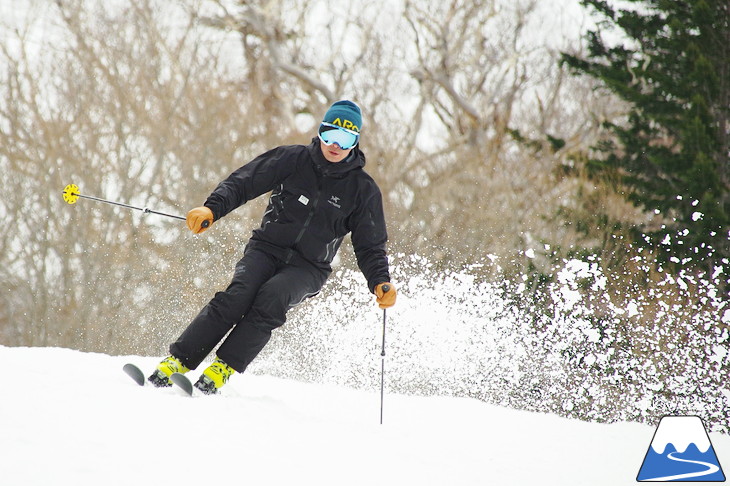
<point x="134" y="373"/>
<point x="178" y="379"/>
<point x="183" y="382"/>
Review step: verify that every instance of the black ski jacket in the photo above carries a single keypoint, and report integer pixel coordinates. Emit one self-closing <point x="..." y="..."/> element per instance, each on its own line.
<point x="313" y="205"/>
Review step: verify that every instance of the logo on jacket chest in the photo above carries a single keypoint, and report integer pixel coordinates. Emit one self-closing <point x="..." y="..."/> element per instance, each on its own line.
<point x="335" y="201"/>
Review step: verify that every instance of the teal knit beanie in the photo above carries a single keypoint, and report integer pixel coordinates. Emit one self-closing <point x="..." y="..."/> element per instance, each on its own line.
<point x="345" y="114"/>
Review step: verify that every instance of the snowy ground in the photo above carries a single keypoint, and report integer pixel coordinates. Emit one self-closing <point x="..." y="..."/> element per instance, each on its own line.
<point x="68" y="417"/>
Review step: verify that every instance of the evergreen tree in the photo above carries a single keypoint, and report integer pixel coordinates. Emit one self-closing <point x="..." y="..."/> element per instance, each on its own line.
<point x="671" y="154"/>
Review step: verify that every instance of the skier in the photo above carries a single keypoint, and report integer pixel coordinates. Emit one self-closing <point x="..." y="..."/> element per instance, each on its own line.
<point x="319" y="194"/>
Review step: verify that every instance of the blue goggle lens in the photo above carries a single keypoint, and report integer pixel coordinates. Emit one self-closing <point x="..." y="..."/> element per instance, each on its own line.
<point x="330" y="134"/>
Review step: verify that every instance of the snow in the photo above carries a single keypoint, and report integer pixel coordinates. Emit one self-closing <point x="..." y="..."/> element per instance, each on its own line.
<point x="69" y="417"/>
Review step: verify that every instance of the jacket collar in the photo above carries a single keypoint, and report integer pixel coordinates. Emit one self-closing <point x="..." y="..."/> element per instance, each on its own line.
<point x="355" y="160"/>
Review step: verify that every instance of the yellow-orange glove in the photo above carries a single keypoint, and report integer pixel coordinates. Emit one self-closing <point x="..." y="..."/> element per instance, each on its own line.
<point x="199" y="219"/>
<point x="385" y="293"/>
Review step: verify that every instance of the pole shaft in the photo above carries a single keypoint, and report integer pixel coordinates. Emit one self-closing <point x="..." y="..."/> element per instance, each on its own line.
<point x="144" y="210"/>
<point x="382" y="371"/>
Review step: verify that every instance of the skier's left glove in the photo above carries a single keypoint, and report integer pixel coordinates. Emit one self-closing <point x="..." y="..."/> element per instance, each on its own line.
<point x="199" y="219"/>
<point x="385" y="295"/>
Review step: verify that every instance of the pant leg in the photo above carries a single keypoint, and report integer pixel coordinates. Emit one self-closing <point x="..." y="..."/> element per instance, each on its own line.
<point x="291" y="285"/>
<point x="224" y="310"/>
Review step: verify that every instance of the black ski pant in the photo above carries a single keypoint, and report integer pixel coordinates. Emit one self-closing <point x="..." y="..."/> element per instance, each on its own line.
<point x="262" y="291"/>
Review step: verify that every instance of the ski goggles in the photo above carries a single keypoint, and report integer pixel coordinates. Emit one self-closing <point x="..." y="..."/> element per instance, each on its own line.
<point x="330" y="134"/>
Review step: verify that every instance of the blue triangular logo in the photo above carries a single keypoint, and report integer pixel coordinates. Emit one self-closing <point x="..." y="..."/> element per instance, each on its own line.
<point x="681" y="451"/>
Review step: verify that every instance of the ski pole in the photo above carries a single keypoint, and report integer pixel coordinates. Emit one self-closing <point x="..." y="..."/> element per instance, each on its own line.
<point x="71" y="195"/>
<point x="386" y="288"/>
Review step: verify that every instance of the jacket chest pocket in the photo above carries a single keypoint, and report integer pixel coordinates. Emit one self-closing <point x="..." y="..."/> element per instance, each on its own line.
<point x="292" y="203"/>
<point x="334" y="218"/>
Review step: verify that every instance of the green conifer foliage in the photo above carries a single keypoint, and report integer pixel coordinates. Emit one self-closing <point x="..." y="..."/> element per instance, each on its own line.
<point x="670" y="60"/>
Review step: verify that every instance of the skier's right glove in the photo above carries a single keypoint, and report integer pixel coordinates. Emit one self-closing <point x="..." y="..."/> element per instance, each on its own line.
<point x="385" y="295"/>
<point x="199" y="219"/>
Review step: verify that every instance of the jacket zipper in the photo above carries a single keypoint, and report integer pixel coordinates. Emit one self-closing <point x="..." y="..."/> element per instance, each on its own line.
<point x="307" y="222"/>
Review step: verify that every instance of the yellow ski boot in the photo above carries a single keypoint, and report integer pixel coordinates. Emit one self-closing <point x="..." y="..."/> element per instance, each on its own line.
<point x="214" y="377"/>
<point x="168" y="366"/>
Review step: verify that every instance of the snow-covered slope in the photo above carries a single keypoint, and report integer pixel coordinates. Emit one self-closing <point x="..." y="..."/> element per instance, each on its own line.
<point x="68" y="417"/>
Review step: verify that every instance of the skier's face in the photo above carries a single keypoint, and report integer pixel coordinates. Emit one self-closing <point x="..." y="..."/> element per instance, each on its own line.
<point x="333" y="153"/>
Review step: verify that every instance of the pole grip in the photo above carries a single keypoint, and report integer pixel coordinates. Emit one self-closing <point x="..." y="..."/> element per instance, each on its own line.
<point x="205" y="224"/>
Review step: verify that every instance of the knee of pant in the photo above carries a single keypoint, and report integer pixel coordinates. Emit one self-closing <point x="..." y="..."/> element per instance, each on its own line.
<point x="265" y="318"/>
<point x="229" y="306"/>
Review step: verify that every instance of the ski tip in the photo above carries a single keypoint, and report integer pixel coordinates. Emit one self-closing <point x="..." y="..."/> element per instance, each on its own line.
<point x="182" y="382"/>
<point x="135" y="373"/>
